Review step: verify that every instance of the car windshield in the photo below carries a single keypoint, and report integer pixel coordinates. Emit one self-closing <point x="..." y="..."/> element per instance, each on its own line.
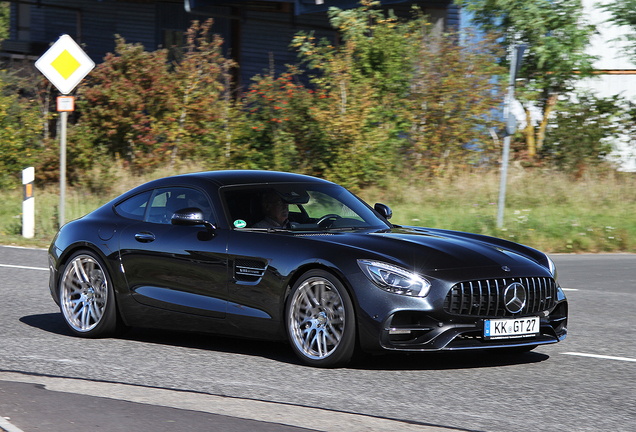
<point x="298" y="207"/>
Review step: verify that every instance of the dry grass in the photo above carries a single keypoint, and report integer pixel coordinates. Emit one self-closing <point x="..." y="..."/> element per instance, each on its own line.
<point x="544" y="209"/>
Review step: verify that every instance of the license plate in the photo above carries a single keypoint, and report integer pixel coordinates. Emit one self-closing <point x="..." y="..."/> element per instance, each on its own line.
<point x="511" y="328"/>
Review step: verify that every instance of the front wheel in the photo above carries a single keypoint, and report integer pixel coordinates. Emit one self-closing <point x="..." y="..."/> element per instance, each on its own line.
<point x="86" y="295"/>
<point x="320" y="320"/>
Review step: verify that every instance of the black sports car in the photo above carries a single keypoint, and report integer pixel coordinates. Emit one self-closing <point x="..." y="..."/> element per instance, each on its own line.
<point x="283" y="256"/>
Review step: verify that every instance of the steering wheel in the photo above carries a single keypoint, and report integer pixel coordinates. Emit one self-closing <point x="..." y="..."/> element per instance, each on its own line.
<point x="328" y="217"/>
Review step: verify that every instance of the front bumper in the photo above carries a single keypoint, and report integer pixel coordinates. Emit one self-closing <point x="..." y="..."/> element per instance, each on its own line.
<point x="434" y="323"/>
<point x="409" y="330"/>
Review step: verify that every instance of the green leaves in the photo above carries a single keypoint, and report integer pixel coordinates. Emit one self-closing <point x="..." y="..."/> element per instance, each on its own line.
<point x="20" y="134"/>
<point x="578" y="136"/>
<point x="394" y="97"/>
<point x="556" y="34"/>
<point x="149" y="112"/>
<point x="623" y="13"/>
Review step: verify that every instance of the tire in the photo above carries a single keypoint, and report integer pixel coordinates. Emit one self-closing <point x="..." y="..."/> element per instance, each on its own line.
<point x="87" y="298"/>
<point x="320" y="320"/>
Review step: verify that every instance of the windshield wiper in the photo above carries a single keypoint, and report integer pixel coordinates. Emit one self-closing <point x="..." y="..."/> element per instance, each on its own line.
<point x="348" y="228"/>
<point x="256" y="229"/>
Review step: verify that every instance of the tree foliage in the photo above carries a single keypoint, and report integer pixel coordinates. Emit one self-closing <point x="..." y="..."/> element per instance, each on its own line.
<point x="623" y="13"/>
<point x="126" y="102"/>
<point x="556" y="34"/>
<point x="282" y="133"/>
<point x="202" y="85"/>
<point x="452" y="102"/>
<point x="144" y="111"/>
<point x="389" y="95"/>
<point x="5" y="14"/>
<point x="392" y="98"/>
<point x="580" y="131"/>
<point x="20" y="134"/>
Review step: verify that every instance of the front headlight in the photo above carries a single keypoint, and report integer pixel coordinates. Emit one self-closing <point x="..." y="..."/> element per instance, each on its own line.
<point x="552" y="268"/>
<point x="395" y="279"/>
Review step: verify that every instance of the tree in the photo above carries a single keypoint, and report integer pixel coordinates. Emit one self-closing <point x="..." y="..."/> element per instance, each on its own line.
<point x="451" y="101"/>
<point x="203" y="104"/>
<point x="5" y="19"/>
<point x="623" y="13"/>
<point x="580" y="131"/>
<point x="139" y="106"/>
<point x="556" y="34"/>
<point x="125" y="102"/>
<point x="20" y="135"/>
<point x="395" y="94"/>
<point x="359" y="87"/>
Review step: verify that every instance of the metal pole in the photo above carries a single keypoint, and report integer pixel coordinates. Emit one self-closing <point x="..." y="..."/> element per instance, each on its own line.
<point x="511" y="126"/>
<point x="502" y="184"/>
<point x="63" y="117"/>
<point x="505" y="158"/>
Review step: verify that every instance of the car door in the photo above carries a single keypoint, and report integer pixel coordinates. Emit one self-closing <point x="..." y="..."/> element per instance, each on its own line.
<point x="179" y="268"/>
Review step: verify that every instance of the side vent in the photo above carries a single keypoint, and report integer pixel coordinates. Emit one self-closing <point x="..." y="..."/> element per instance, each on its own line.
<point x="249" y="270"/>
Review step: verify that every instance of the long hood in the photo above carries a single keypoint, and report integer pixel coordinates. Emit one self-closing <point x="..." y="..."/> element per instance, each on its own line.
<point x="438" y="250"/>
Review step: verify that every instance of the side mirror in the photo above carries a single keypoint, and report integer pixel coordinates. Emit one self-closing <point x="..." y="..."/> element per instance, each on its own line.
<point x="189" y="217"/>
<point x="384" y="210"/>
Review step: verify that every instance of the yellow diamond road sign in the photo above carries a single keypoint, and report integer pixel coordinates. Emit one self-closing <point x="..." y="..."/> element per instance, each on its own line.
<point x="65" y="64"/>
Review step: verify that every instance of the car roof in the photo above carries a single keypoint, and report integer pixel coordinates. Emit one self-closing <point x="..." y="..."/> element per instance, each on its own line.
<point x="245" y="177"/>
<point x="226" y="178"/>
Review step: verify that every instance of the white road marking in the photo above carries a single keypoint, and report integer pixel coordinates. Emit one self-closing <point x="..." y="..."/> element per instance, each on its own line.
<point x="22" y="247"/>
<point x="569" y="289"/>
<point x="24" y="267"/>
<point x="5" y="425"/>
<point x="604" y="357"/>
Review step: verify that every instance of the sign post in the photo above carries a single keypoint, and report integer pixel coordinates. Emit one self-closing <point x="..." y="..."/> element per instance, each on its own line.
<point x="511" y="127"/>
<point x="65" y="64"/>
<point x="28" y="203"/>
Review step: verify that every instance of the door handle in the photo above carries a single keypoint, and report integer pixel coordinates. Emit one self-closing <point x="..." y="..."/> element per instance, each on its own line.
<point x="145" y="237"/>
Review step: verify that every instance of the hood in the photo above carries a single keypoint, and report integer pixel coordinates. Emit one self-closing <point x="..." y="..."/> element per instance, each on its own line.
<point x="437" y="250"/>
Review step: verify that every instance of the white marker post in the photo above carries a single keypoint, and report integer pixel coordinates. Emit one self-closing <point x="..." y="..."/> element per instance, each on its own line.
<point x="28" y="203"/>
<point x="65" y="64"/>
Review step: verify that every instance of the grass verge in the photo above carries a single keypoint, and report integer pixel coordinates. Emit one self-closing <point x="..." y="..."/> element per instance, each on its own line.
<point x="544" y="209"/>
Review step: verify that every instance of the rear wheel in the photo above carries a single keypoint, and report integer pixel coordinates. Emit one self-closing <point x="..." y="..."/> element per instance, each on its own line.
<point x="320" y="320"/>
<point x="87" y="299"/>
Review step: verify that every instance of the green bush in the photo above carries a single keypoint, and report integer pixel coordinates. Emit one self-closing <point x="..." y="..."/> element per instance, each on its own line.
<point x="20" y="135"/>
<point x="581" y="131"/>
<point x="394" y="97"/>
<point x="136" y="106"/>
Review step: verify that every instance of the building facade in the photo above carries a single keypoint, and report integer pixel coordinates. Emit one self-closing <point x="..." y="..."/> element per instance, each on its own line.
<point x="256" y="33"/>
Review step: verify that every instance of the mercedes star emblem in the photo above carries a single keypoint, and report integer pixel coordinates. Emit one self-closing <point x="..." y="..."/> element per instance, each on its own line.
<point x="515" y="297"/>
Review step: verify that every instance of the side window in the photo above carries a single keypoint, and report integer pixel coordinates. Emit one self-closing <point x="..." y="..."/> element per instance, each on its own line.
<point x="134" y="207"/>
<point x="166" y="201"/>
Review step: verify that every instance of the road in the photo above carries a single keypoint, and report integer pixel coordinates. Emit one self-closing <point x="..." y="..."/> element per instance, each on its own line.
<point x="50" y="380"/>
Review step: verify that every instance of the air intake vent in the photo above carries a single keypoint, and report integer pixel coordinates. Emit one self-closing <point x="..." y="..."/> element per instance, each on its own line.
<point x="249" y="270"/>
<point x="485" y="298"/>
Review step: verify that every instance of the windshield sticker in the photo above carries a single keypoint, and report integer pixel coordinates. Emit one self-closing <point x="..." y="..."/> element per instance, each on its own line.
<point x="240" y="223"/>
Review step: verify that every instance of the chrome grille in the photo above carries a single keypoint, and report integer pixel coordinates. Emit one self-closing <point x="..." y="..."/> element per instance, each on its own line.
<point x="484" y="298"/>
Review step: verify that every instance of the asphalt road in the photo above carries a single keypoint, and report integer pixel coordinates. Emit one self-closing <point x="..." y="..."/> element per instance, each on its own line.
<point x="156" y="380"/>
